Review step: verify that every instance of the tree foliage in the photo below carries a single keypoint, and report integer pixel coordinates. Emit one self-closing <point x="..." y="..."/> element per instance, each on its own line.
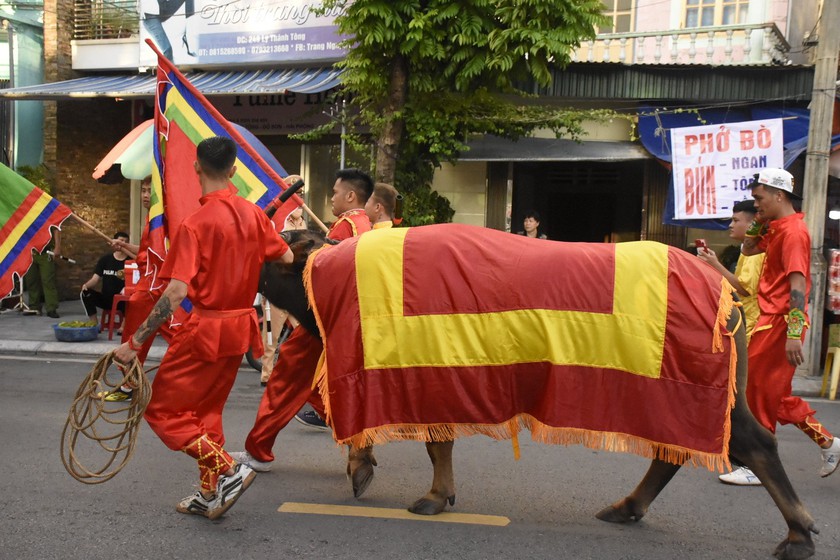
<point x="425" y="75"/>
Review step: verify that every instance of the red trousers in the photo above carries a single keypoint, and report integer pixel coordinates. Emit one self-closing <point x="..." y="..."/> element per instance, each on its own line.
<point x="770" y="376"/>
<point x="289" y="387"/>
<point x="188" y="394"/>
<point x="137" y="309"/>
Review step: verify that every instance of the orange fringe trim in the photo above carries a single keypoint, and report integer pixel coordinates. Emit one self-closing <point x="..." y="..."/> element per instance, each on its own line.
<point x="542" y="433"/>
<point x="321" y="380"/>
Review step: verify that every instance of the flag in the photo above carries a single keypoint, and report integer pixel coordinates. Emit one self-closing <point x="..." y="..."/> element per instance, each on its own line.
<point x="442" y="331"/>
<point x="27" y="213"/>
<point x="183" y="118"/>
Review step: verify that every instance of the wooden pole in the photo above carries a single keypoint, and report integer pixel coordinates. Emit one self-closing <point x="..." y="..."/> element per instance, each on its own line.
<point x="816" y="172"/>
<point x="91" y="228"/>
<point x="315" y="218"/>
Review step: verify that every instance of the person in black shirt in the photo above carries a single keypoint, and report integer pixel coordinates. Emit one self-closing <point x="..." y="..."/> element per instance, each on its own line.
<point x="110" y="269"/>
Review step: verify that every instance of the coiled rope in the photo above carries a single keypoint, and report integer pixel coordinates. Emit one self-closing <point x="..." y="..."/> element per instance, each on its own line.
<point x="113" y="426"/>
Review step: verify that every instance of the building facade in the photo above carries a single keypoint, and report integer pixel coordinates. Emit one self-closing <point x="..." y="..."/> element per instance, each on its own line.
<point x="271" y="72"/>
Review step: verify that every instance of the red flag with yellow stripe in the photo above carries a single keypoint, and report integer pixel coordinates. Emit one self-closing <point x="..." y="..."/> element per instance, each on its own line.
<point x="450" y="330"/>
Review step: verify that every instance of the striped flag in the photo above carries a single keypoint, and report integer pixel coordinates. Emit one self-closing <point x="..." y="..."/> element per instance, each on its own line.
<point x="183" y="118"/>
<point x="26" y="215"/>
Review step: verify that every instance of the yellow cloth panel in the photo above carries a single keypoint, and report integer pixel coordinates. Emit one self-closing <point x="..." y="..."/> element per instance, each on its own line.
<point x="630" y="339"/>
<point x="748" y="271"/>
<point x="27" y="221"/>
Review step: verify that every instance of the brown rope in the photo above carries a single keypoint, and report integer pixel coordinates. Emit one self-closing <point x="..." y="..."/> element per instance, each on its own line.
<point x="112" y="425"/>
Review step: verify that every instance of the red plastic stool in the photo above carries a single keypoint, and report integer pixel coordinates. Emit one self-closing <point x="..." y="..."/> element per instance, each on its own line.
<point x="113" y="318"/>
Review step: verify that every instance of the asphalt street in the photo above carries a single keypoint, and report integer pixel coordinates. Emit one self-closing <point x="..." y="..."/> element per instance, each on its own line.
<point x="543" y="505"/>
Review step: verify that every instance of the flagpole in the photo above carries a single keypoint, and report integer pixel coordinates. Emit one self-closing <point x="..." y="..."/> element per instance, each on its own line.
<point x="315" y="218"/>
<point x="90" y="227"/>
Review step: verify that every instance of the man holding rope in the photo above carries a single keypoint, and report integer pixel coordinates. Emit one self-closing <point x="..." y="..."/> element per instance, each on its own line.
<point x="199" y="369"/>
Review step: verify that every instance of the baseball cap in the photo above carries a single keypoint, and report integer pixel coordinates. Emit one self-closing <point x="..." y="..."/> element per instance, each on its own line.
<point x="777" y="178"/>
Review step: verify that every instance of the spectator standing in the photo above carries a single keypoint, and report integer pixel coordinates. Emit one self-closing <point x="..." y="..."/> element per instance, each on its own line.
<point x="40" y="279"/>
<point x="531" y="225"/>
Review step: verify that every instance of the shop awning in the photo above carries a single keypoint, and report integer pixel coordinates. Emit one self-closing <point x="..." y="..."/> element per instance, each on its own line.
<point x="242" y="82"/>
<point x="493" y="148"/>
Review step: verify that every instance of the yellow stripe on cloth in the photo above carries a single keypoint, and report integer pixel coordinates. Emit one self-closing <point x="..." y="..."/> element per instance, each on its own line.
<point x="630" y="339"/>
<point x="25" y="223"/>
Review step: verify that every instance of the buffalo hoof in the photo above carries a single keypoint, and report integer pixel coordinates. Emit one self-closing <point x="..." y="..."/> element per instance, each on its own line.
<point x="360" y="469"/>
<point x="794" y="550"/>
<point x="431" y="504"/>
<point x="620" y="512"/>
<point x="361" y="478"/>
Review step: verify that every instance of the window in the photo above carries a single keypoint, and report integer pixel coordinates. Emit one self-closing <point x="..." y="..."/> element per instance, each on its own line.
<point x="620" y="12"/>
<point x="706" y="13"/>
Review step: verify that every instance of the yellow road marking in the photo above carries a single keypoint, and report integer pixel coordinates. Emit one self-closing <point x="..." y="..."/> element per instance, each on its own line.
<point x="388" y="513"/>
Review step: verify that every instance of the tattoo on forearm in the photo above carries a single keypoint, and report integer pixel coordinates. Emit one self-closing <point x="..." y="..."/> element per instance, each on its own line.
<point x="160" y="313"/>
<point x="797" y="299"/>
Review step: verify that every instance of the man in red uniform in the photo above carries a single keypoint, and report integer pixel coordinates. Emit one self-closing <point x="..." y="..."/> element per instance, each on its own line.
<point x="290" y="384"/>
<point x="775" y="348"/>
<point x="147" y="291"/>
<point x="198" y="371"/>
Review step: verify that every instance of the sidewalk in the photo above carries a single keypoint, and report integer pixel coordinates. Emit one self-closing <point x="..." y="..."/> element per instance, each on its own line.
<point x="32" y="335"/>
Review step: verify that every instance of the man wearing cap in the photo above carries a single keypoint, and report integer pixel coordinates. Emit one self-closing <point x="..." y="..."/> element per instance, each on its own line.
<point x="775" y="348"/>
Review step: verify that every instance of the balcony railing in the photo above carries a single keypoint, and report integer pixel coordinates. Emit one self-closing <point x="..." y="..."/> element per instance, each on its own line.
<point x="105" y="19"/>
<point x="747" y="44"/>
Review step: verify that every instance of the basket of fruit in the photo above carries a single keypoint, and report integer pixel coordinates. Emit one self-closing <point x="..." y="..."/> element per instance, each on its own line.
<point x="76" y="331"/>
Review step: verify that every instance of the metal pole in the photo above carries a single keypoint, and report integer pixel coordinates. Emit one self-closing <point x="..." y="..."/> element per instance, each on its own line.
<point x="11" y="38"/>
<point x="816" y="172"/>
<point x="343" y="131"/>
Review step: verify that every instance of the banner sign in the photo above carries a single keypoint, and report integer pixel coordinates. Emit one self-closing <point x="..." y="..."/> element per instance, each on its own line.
<point x="713" y="165"/>
<point x="214" y="32"/>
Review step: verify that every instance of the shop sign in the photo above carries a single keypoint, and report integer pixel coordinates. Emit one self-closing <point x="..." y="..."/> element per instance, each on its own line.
<point x="713" y="165"/>
<point x="211" y="33"/>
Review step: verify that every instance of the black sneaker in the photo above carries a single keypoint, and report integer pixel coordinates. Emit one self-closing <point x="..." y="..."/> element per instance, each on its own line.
<point x="54" y="314"/>
<point x="310" y="418"/>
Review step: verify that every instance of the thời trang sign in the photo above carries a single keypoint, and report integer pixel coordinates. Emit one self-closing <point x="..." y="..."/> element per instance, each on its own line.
<point x="713" y="165"/>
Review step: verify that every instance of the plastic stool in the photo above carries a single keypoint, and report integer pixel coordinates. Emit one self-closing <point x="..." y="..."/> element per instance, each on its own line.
<point x="832" y="368"/>
<point x="113" y="318"/>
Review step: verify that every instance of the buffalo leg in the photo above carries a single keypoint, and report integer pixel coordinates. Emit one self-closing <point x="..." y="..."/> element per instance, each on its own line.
<point x="635" y="506"/>
<point x="753" y="445"/>
<point x="443" y="482"/>
<point x="360" y="463"/>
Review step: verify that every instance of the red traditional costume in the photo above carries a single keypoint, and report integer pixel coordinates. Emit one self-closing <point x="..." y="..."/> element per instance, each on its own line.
<point x="788" y="248"/>
<point x="146" y="293"/>
<point x="290" y="384"/>
<point x="222" y="273"/>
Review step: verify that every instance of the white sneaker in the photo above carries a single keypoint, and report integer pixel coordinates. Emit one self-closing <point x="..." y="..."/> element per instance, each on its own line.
<point x="229" y="489"/>
<point x="742" y="476"/>
<point x="245" y="458"/>
<point x="830" y="458"/>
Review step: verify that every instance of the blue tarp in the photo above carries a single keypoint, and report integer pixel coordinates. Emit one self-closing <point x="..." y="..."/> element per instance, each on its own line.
<point x="655" y="132"/>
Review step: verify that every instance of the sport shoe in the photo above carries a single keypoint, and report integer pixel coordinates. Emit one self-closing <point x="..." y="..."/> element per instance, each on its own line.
<point x="195" y="505"/>
<point x="830" y="458"/>
<point x="742" y="476"/>
<point x="117" y="395"/>
<point x="310" y="418"/>
<point x="246" y="459"/>
<point x="53" y="314"/>
<point x="230" y="488"/>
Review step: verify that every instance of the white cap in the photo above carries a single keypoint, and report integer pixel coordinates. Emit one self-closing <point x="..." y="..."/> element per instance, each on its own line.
<point x="777" y="178"/>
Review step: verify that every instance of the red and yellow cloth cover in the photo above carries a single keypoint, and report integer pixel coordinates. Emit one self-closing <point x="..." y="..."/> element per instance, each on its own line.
<point x="443" y="331"/>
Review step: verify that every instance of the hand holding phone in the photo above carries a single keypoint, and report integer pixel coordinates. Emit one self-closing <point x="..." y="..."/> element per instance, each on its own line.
<point x="700" y="244"/>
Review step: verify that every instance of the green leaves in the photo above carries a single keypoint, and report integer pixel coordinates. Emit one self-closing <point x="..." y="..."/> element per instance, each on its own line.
<point x="463" y="61"/>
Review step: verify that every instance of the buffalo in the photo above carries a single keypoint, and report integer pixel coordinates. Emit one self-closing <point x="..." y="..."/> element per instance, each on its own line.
<point x="322" y="281"/>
